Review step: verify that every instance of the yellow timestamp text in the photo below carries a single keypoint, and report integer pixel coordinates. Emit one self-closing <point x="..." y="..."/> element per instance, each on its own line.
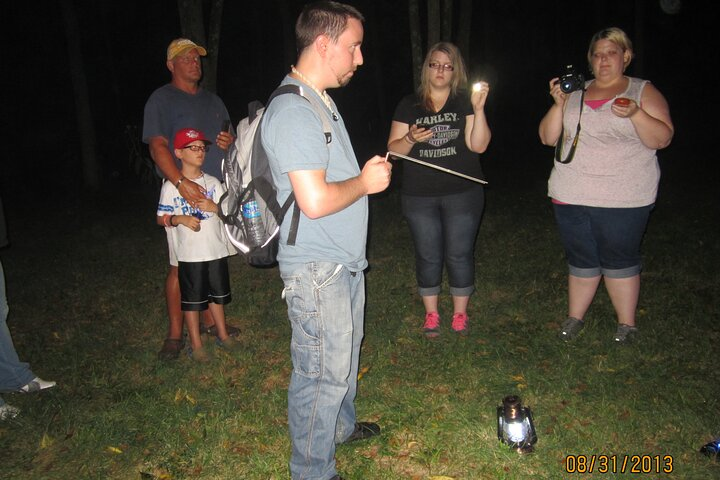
<point x="619" y="464"/>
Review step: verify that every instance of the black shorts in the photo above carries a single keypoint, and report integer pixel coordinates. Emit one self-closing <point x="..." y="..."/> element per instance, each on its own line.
<point x="204" y="282"/>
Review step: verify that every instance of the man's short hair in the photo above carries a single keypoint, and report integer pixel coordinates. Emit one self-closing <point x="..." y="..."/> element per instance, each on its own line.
<point x="323" y="18"/>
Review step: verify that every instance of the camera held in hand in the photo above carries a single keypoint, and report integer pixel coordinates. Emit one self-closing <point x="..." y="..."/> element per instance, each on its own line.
<point x="571" y="80"/>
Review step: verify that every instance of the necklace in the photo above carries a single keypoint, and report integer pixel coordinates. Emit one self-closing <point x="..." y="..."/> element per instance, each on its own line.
<point x="323" y="95"/>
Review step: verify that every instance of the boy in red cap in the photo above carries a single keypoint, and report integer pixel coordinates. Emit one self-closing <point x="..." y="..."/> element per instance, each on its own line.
<point x="199" y="241"/>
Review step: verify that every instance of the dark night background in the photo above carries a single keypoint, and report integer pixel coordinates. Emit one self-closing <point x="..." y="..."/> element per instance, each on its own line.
<point x="516" y="45"/>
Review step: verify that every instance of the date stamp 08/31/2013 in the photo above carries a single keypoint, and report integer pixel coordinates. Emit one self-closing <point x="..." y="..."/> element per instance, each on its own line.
<point x="619" y="464"/>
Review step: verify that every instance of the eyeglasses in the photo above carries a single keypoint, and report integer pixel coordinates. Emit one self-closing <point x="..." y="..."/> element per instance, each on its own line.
<point x="440" y="67"/>
<point x="188" y="59"/>
<point x="198" y="148"/>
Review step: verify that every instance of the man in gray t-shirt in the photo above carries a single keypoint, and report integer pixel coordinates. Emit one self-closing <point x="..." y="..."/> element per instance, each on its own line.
<point x="182" y="103"/>
<point x="322" y="272"/>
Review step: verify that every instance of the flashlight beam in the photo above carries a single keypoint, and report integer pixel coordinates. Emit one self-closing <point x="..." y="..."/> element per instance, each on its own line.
<point x="436" y="167"/>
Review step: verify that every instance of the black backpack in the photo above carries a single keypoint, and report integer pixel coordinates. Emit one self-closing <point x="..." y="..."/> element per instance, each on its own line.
<point x="249" y="208"/>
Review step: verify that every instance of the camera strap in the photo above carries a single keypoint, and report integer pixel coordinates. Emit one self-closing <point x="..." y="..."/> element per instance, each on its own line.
<point x="559" y="144"/>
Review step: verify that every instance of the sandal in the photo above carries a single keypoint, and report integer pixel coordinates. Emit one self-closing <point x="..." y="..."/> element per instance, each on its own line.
<point x="212" y="330"/>
<point x="171" y="349"/>
<point x="229" y="344"/>
<point x="200" y="355"/>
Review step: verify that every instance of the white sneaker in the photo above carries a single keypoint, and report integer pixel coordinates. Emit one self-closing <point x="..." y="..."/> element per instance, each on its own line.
<point x="8" y="411"/>
<point x="37" y="384"/>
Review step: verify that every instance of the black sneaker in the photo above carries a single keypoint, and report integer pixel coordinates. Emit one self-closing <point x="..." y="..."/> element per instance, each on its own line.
<point x="363" y="430"/>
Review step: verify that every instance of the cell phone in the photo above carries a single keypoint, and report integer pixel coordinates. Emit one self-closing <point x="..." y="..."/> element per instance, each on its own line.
<point x="422" y="125"/>
<point x="225" y="126"/>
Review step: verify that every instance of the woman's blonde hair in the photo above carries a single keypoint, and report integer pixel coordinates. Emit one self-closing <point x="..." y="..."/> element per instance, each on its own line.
<point x="459" y="74"/>
<point x="616" y="36"/>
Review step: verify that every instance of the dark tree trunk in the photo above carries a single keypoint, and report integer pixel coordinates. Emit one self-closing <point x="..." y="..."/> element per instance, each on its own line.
<point x="192" y="26"/>
<point x="91" y="171"/>
<point x="213" y="45"/>
<point x="464" y="26"/>
<point x="433" y="22"/>
<point x="192" y="23"/>
<point x="415" y="40"/>
<point x="447" y="21"/>
<point x="378" y="76"/>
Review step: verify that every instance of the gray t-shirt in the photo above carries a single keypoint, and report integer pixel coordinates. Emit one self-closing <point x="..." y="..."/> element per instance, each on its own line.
<point x="169" y="109"/>
<point x="292" y="134"/>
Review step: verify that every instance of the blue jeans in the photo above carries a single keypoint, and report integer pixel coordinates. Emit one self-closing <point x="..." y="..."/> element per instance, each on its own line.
<point x="13" y="373"/>
<point x="326" y="304"/>
<point x="602" y="241"/>
<point x="444" y="230"/>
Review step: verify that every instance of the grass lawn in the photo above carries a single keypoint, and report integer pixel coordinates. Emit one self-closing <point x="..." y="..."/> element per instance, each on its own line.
<point x="85" y="287"/>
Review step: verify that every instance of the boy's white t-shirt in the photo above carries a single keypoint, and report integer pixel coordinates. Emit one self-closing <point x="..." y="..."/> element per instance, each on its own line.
<point x="210" y="243"/>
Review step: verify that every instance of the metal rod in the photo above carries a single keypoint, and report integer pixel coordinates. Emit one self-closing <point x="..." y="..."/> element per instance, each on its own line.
<point x="436" y="167"/>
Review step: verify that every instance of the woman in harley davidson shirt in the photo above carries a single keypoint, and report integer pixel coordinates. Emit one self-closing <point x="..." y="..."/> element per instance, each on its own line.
<point x="444" y="125"/>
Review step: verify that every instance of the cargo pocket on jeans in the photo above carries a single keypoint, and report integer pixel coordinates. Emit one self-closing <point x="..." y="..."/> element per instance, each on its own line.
<point x="305" y="345"/>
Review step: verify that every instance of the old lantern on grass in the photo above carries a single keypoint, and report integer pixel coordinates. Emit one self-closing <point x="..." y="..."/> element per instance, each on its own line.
<point x="515" y="425"/>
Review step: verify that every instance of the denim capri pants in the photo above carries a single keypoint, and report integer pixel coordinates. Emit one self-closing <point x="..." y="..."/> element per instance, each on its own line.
<point x="444" y="229"/>
<point x="602" y="241"/>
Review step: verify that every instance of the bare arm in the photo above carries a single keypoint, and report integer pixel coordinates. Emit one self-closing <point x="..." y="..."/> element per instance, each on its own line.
<point x="317" y="198"/>
<point x="551" y="124"/>
<point x="477" y="130"/>
<point x="189" y="221"/>
<point x="651" y="119"/>
<point x="160" y="153"/>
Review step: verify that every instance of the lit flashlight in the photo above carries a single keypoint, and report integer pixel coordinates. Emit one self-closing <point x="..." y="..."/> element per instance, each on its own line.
<point x="476" y="86"/>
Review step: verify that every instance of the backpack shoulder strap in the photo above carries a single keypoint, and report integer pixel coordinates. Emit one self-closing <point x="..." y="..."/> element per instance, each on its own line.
<point x="300" y="90"/>
<point x="327" y="130"/>
<point x="319" y="109"/>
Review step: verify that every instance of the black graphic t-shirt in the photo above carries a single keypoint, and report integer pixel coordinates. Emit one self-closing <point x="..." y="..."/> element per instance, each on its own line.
<point x="446" y="148"/>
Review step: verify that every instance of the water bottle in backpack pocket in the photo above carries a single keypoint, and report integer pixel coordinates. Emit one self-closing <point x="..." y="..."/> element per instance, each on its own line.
<point x="252" y="219"/>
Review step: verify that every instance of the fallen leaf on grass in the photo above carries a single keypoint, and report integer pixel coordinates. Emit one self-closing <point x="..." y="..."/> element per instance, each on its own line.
<point x="46" y="441"/>
<point x="114" y="450"/>
<point x="181" y="395"/>
<point x="156" y="475"/>
<point x="362" y="372"/>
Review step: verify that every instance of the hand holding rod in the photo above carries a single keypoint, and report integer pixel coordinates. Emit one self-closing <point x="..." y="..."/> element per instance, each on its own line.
<point x="436" y="167"/>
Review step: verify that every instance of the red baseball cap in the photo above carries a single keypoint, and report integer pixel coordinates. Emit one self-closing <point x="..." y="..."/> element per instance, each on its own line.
<point x="186" y="136"/>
